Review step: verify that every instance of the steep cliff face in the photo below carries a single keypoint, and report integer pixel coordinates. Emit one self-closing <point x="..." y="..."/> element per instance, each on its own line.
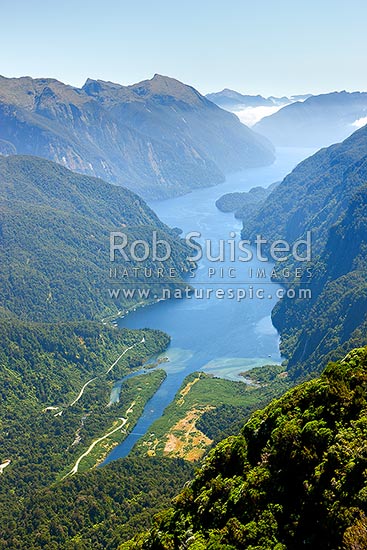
<point x="335" y="318"/>
<point x="326" y="195"/>
<point x="159" y="137"/>
<point x="315" y="194"/>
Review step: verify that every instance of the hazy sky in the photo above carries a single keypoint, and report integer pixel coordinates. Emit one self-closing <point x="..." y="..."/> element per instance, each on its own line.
<point x="264" y="46"/>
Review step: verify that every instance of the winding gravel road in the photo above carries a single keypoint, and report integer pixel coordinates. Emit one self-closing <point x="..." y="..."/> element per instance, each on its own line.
<point x="74" y="470"/>
<point x="103" y="374"/>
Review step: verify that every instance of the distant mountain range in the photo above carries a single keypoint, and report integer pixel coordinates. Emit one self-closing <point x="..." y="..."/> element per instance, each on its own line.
<point x="319" y="121"/>
<point x="159" y="137"/>
<point x="299" y="120"/>
<point x="234" y="101"/>
<point x="251" y="108"/>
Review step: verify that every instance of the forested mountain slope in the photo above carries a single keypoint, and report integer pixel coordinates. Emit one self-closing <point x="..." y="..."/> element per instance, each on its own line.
<point x="159" y="137"/>
<point x="55" y="241"/>
<point x="326" y="195"/>
<point x="293" y="478"/>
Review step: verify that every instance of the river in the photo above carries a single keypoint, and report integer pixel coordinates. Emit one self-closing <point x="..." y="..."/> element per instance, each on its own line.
<point x="223" y="337"/>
